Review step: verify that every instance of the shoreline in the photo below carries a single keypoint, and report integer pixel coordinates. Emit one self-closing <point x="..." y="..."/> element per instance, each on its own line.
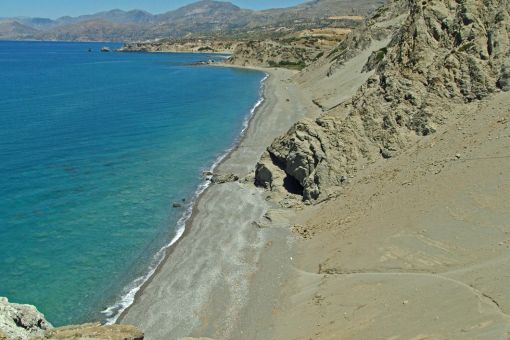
<point x="179" y="256"/>
<point x="185" y="222"/>
<point x="219" y="53"/>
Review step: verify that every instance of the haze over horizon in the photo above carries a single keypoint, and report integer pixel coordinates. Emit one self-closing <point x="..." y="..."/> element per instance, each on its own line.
<point x="58" y="8"/>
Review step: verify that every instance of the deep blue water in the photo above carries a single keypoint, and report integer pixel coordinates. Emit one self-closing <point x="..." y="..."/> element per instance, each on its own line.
<point x="94" y="149"/>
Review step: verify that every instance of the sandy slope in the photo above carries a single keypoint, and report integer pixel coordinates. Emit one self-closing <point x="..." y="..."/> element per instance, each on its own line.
<point x="416" y="247"/>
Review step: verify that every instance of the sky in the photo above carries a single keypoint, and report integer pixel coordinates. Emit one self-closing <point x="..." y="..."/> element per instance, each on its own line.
<point x="57" y="8"/>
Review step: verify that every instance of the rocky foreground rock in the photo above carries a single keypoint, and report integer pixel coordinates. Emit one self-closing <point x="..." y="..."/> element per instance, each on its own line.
<point x="25" y="322"/>
<point x="447" y="52"/>
<point x="21" y="321"/>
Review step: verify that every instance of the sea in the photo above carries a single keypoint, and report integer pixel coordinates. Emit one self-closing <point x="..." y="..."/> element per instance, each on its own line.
<point x="96" y="149"/>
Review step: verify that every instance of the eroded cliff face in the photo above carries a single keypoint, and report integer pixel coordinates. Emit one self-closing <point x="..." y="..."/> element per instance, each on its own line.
<point x="186" y="46"/>
<point x="272" y="53"/>
<point x="446" y="53"/>
<point x="25" y="322"/>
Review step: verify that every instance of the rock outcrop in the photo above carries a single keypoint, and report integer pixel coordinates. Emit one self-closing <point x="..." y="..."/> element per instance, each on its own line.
<point x="446" y="53"/>
<point x="183" y="45"/>
<point x="224" y="178"/>
<point x="385" y="22"/>
<point x="274" y="53"/>
<point x="25" y="322"/>
<point x="21" y="321"/>
<point x="95" y="331"/>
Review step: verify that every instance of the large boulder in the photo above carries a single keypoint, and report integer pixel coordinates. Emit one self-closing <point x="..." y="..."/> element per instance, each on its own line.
<point x="224" y="178"/>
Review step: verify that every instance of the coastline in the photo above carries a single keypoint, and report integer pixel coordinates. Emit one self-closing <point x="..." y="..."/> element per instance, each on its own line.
<point x="180" y="52"/>
<point x="247" y="245"/>
<point x="387" y="206"/>
<point x="184" y="223"/>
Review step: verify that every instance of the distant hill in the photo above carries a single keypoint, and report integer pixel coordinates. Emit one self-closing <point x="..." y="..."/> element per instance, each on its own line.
<point x="93" y="30"/>
<point x="206" y="17"/>
<point x="10" y="29"/>
<point x="116" y="16"/>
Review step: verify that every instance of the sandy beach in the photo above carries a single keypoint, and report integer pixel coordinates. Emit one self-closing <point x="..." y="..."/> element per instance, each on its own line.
<point x="205" y="283"/>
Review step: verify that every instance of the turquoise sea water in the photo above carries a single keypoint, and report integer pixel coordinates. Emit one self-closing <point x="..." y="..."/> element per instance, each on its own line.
<point x="94" y="149"/>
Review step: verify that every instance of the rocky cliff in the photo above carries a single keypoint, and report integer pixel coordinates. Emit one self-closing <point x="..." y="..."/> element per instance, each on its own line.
<point x="182" y="45"/>
<point x="445" y="53"/>
<point x="273" y="53"/>
<point x="25" y="322"/>
<point x="21" y="321"/>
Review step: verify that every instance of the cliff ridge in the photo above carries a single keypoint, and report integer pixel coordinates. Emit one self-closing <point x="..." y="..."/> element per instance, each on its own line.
<point x="445" y="53"/>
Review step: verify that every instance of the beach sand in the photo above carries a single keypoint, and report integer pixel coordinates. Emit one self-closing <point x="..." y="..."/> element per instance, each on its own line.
<point x="204" y="284"/>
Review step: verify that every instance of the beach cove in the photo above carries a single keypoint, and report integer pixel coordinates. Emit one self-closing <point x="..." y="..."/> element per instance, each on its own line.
<point x="92" y="163"/>
<point x="365" y="196"/>
<point x="206" y="281"/>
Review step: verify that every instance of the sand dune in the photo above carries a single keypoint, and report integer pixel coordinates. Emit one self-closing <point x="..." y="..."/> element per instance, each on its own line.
<point x="414" y="248"/>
